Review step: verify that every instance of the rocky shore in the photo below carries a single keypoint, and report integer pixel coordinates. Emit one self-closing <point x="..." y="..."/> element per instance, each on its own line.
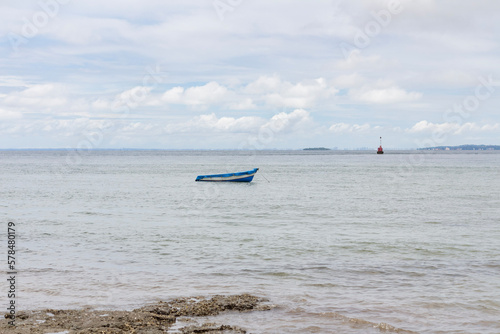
<point x="150" y="319"/>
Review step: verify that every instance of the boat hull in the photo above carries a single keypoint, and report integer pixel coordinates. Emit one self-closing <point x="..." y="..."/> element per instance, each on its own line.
<point x="230" y="177"/>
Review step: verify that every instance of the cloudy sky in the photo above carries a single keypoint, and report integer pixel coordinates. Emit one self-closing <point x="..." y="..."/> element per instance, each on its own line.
<point x="248" y="73"/>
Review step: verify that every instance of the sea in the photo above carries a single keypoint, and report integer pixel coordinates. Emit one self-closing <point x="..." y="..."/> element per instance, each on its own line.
<point x="337" y="241"/>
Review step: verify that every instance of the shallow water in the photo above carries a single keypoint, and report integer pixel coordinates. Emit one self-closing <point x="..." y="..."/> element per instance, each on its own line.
<point x="339" y="241"/>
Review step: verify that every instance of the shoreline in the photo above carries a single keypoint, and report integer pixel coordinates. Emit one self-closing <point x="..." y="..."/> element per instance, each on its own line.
<point x="159" y="317"/>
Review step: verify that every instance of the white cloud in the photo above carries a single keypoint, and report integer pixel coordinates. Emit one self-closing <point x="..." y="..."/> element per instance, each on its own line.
<point x="385" y="95"/>
<point x="57" y="127"/>
<point x="356" y="60"/>
<point x="264" y="84"/>
<point x="454" y="78"/>
<point x="349" y="80"/>
<point x="452" y="128"/>
<point x="268" y="91"/>
<point x="41" y="96"/>
<point x="424" y="126"/>
<point x="294" y="122"/>
<point x="349" y="128"/>
<point x="209" y="94"/>
<point x="174" y="95"/>
<point x="210" y="123"/>
<point x="101" y="104"/>
<point x="297" y="120"/>
<point x="133" y="97"/>
<point x="7" y="114"/>
<point x="225" y="124"/>
<point x="279" y="93"/>
<point x="245" y="104"/>
<point x="12" y="81"/>
<point x="138" y="128"/>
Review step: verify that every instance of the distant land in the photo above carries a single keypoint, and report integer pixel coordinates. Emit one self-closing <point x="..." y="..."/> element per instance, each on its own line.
<point x="464" y="148"/>
<point x="317" y="149"/>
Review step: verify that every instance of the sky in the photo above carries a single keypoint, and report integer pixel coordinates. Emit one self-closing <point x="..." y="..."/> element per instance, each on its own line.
<point x="249" y="74"/>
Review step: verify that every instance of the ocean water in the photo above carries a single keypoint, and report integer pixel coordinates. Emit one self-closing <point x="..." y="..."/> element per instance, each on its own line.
<point x="340" y="242"/>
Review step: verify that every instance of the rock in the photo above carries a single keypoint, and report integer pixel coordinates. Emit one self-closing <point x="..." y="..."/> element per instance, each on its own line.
<point x="151" y="319"/>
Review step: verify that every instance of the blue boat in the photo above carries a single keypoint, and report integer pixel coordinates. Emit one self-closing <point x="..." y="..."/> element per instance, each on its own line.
<point x="230" y="177"/>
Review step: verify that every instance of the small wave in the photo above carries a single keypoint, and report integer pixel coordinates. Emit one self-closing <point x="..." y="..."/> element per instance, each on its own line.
<point x="48" y="270"/>
<point x="322" y="285"/>
<point x="278" y="274"/>
<point x="382" y="326"/>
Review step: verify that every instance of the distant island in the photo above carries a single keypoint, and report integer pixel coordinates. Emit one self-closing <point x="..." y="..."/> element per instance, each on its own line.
<point x="464" y="148"/>
<point x="317" y="149"/>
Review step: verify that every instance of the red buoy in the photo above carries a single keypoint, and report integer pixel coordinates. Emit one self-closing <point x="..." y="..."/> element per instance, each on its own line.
<point x="380" y="149"/>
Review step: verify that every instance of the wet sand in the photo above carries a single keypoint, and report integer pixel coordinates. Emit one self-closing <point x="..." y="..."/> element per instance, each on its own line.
<point x="150" y="319"/>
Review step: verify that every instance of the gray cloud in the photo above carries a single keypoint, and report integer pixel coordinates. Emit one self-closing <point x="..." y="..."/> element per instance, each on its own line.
<point x="384" y="64"/>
